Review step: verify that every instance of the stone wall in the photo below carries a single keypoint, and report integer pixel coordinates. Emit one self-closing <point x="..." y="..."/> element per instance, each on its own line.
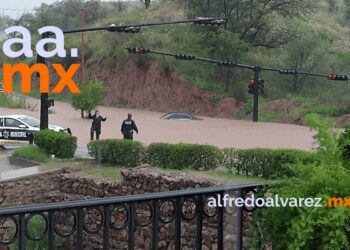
<point x="29" y="189"/>
<point x="58" y="185"/>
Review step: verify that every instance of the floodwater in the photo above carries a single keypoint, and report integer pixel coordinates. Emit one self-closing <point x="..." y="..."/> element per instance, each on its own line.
<point x="4" y="162"/>
<point x="219" y="132"/>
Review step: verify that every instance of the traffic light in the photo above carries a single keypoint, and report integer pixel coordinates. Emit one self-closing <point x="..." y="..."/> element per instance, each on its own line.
<point x="252" y="83"/>
<point x="184" y="57"/>
<point x="209" y="22"/>
<point x="50" y="103"/>
<point x="251" y="86"/>
<point x="226" y="64"/>
<point x="138" y="50"/>
<point x="288" y="71"/>
<point x="337" y="77"/>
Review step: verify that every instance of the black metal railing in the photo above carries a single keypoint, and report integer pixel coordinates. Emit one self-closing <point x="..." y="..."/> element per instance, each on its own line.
<point x="175" y="219"/>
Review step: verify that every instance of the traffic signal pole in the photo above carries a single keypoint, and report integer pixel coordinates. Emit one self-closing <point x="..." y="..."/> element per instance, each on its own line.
<point x="256" y="94"/>
<point x="258" y="83"/>
<point x="44" y="97"/>
<point x="45" y="103"/>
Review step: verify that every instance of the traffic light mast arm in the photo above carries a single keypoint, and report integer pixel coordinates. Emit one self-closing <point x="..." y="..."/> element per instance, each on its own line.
<point x="206" y="21"/>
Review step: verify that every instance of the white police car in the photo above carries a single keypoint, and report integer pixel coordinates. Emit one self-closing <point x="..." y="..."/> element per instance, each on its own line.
<point x="17" y="128"/>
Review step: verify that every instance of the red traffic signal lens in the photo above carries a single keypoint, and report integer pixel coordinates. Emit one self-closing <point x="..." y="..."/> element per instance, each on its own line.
<point x="331" y="77"/>
<point x="251" y="82"/>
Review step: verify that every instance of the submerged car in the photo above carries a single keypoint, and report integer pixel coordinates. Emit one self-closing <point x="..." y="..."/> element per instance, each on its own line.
<point x="21" y="128"/>
<point x="179" y="116"/>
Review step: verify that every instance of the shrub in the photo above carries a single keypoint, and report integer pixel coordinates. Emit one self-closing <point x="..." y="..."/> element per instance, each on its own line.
<point x="305" y="227"/>
<point x="31" y="152"/>
<point x="179" y="156"/>
<point x="344" y="144"/>
<point x="266" y="163"/>
<point x="60" y="144"/>
<point x="308" y="227"/>
<point x="117" y="152"/>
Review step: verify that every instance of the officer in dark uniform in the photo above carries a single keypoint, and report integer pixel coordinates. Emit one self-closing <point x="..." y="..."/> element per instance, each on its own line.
<point x="96" y="125"/>
<point x="128" y="127"/>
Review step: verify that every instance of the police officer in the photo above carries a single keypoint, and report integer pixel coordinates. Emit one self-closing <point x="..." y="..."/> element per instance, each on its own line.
<point x="128" y="127"/>
<point x="96" y="125"/>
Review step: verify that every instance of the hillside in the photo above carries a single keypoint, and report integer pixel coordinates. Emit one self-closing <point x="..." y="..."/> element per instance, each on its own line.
<point x="313" y="40"/>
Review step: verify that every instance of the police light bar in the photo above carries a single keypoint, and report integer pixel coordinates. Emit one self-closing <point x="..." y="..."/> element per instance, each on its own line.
<point x="337" y="77"/>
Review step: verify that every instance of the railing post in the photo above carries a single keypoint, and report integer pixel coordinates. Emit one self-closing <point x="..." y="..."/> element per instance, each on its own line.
<point x="199" y="208"/>
<point x="221" y="210"/>
<point x="51" y="231"/>
<point x="131" y="226"/>
<point x="106" y="227"/>
<point x="22" y="232"/>
<point x="80" y="229"/>
<point x="239" y="223"/>
<point x="155" y="222"/>
<point x="178" y="224"/>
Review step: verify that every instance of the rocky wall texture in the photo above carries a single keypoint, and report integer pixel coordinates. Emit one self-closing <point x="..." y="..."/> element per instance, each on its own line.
<point x="58" y="186"/>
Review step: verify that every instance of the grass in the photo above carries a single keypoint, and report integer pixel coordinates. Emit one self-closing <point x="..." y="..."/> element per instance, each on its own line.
<point x="90" y="167"/>
<point x="32" y="153"/>
<point x="8" y="101"/>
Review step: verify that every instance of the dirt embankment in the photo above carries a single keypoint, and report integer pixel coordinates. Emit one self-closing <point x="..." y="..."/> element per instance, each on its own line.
<point x="148" y="86"/>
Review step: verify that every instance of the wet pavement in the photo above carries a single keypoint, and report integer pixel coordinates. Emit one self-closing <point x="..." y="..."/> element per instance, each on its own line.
<point x="4" y="162"/>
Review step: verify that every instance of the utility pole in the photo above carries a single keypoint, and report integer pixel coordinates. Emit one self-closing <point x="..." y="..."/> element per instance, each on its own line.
<point x="44" y="97"/>
<point x="82" y="52"/>
<point x="256" y="94"/>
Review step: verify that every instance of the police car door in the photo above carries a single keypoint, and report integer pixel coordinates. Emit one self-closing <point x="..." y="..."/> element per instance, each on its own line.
<point x="13" y="131"/>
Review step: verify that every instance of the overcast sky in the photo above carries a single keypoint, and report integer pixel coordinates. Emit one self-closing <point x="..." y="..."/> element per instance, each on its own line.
<point x="15" y="8"/>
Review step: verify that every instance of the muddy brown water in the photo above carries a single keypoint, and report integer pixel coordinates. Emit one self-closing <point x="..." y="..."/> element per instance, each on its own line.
<point x="214" y="131"/>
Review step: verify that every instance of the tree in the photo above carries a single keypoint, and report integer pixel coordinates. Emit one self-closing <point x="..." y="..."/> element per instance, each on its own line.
<point x="227" y="46"/>
<point x="147" y="3"/>
<point x="260" y="23"/>
<point x="91" y="94"/>
<point x="305" y="54"/>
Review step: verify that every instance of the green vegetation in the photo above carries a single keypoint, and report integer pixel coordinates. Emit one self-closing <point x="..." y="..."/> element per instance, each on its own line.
<point x="179" y="156"/>
<point x="36" y="228"/>
<point x="31" y="152"/>
<point x="59" y="144"/>
<point x="265" y="163"/>
<point x="344" y="144"/>
<point x="306" y="35"/>
<point x="91" y="94"/>
<point x="117" y="152"/>
<point x="310" y="227"/>
<point x="8" y="101"/>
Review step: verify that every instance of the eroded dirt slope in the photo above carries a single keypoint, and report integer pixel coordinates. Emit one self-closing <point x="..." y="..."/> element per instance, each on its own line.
<point x="147" y="86"/>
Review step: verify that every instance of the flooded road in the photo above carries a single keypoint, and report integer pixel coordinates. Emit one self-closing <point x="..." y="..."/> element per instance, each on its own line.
<point x="219" y="132"/>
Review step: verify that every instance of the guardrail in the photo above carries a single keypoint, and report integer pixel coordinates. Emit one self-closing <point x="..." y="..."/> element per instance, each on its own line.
<point x="77" y="220"/>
